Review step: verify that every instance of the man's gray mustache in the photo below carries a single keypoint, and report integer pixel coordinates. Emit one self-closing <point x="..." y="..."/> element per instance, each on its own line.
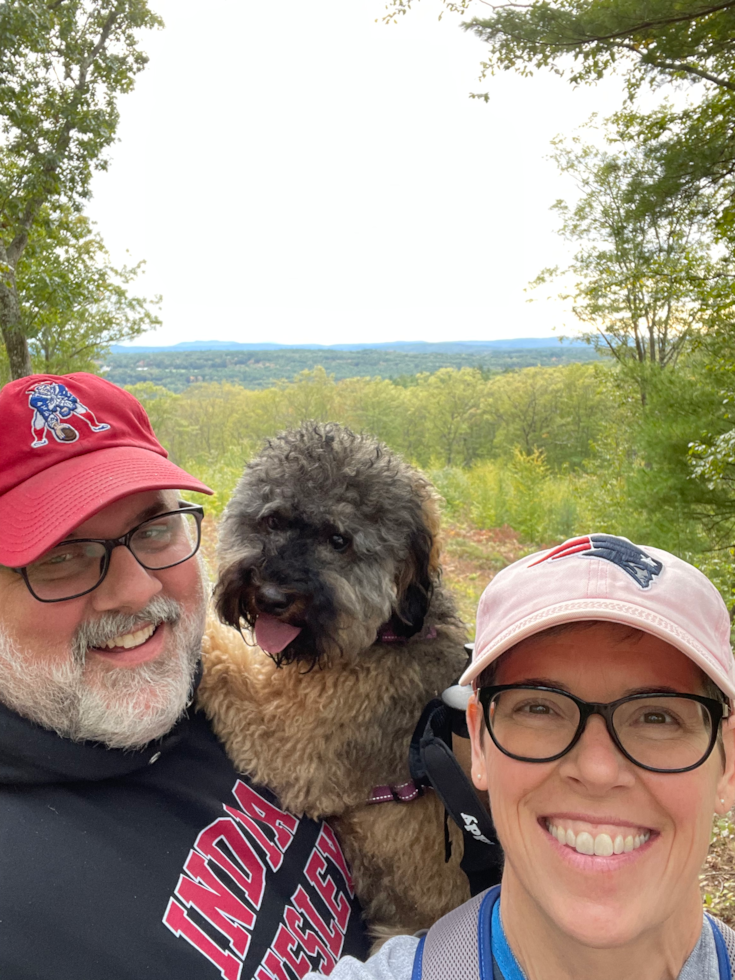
<point x="96" y="632"/>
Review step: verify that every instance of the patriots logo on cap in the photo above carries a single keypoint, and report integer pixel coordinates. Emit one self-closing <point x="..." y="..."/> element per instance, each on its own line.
<point x="633" y="560"/>
<point x="53" y="405"/>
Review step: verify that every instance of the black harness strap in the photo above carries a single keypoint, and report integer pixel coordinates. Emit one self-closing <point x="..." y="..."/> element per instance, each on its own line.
<point x="432" y="763"/>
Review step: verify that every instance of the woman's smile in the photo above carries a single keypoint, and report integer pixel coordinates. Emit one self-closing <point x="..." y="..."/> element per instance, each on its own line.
<point x="597" y="846"/>
<point x="598" y="837"/>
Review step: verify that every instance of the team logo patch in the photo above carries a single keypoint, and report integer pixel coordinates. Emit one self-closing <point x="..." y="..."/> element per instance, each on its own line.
<point x="640" y="566"/>
<point x="53" y="406"/>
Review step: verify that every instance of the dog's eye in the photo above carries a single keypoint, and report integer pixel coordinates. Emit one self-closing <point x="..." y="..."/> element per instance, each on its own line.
<point x="273" y="522"/>
<point x="339" y="542"/>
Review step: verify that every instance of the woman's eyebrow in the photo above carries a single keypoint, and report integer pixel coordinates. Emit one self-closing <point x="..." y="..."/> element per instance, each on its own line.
<point x="544" y="682"/>
<point x="561" y="686"/>
<point x="659" y="689"/>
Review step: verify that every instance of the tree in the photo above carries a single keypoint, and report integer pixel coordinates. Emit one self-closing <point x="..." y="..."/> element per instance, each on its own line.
<point x="646" y="39"/>
<point x="62" y="67"/>
<point x="649" y="42"/>
<point x="647" y="272"/>
<point x="73" y="302"/>
<point x="558" y="411"/>
<point x="453" y="408"/>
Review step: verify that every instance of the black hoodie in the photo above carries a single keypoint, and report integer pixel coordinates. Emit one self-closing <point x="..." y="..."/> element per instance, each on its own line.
<point x="160" y="863"/>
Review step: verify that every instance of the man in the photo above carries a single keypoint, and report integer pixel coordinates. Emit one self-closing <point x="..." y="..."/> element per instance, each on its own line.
<point x="130" y="846"/>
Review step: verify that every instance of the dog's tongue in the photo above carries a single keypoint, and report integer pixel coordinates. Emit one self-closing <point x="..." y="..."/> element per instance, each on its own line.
<point x="272" y="635"/>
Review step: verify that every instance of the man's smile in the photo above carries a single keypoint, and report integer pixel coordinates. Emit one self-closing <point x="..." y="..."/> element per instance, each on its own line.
<point x="129" y="640"/>
<point x="137" y="647"/>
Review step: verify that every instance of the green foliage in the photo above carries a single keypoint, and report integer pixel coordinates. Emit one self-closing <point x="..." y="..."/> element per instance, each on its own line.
<point x="683" y="513"/>
<point x="561" y="413"/>
<point x="521" y="492"/>
<point x="644" y="39"/>
<point x="449" y="417"/>
<point x="450" y="414"/>
<point x="649" y="42"/>
<point x="62" y="67"/>
<point x="648" y="272"/>
<point x="74" y="303"/>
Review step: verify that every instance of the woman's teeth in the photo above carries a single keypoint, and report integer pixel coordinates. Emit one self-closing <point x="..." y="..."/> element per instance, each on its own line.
<point x="129" y="640"/>
<point x="601" y="845"/>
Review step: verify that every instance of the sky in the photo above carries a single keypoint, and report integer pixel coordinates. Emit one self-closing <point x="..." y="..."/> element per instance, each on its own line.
<point x="301" y="173"/>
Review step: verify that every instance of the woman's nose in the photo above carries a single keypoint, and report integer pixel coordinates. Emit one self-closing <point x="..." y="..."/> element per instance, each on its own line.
<point x="596" y="760"/>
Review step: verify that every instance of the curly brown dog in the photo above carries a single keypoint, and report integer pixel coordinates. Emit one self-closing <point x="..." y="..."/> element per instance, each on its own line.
<point x="329" y="553"/>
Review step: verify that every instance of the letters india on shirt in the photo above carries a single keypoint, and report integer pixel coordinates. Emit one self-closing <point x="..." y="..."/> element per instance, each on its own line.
<point x="219" y="900"/>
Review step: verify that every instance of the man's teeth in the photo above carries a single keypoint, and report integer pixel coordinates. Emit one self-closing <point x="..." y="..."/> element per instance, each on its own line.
<point x="128" y="640"/>
<point x="602" y="845"/>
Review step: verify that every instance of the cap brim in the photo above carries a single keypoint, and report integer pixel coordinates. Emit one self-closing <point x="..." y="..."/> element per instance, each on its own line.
<point x="43" y="510"/>
<point x="607" y="610"/>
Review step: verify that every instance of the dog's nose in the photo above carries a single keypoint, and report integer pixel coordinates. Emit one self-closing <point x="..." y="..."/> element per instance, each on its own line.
<point x="271" y="599"/>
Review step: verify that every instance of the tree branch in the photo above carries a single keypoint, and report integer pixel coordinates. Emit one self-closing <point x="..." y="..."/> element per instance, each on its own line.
<point x="662" y="22"/>
<point x="680" y="66"/>
<point x="585" y="40"/>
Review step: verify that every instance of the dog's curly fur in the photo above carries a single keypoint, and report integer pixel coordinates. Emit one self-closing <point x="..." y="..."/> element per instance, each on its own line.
<point x="332" y="532"/>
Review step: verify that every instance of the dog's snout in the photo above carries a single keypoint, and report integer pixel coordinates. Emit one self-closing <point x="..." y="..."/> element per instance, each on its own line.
<point x="271" y="599"/>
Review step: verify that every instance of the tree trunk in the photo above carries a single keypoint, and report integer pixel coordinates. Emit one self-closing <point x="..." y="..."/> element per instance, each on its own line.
<point x="16" y="344"/>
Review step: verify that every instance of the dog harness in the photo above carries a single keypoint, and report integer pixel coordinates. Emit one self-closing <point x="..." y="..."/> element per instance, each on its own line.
<point x="400" y="793"/>
<point x="386" y="634"/>
<point x="469" y="942"/>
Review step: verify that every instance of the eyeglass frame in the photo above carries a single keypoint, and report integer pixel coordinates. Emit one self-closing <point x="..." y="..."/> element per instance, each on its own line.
<point x="718" y="711"/>
<point x="123" y="541"/>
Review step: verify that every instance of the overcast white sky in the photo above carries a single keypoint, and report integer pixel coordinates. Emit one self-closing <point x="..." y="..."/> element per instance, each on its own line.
<point x="296" y="172"/>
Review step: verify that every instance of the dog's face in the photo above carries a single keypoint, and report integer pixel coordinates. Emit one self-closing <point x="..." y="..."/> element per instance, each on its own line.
<point x="328" y="537"/>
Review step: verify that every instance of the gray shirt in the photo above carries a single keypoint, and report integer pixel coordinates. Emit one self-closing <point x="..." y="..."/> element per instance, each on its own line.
<point x="394" y="961"/>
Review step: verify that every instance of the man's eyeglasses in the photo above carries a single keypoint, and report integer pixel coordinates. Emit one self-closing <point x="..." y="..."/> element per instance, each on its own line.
<point x="77" y="566"/>
<point x="660" y="732"/>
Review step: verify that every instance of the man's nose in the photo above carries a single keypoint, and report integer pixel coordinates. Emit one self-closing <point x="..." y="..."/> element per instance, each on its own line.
<point x="127" y="584"/>
<point x="596" y="760"/>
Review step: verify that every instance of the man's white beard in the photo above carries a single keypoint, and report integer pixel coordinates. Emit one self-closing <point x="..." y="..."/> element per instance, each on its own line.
<point x="89" y="698"/>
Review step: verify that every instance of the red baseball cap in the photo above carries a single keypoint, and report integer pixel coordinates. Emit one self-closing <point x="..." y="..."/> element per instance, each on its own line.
<point x="70" y="446"/>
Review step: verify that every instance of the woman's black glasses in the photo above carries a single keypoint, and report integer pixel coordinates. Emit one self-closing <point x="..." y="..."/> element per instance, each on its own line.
<point x="660" y="732"/>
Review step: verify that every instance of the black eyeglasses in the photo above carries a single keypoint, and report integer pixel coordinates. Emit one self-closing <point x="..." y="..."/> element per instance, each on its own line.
<point x="77" y="566"/>
<point x="660" y="732"/>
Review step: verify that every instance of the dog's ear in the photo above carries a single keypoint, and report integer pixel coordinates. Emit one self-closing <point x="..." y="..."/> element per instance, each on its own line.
<point x="414" y="586"/>
<point x="228" y="597"/>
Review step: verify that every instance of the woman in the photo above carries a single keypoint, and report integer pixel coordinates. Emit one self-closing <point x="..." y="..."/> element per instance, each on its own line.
<point x="601" y="730"/>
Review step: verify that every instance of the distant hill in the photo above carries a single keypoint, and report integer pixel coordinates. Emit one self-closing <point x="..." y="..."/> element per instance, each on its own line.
<point x="406" y="346"/>
<point x="177" y="368"/>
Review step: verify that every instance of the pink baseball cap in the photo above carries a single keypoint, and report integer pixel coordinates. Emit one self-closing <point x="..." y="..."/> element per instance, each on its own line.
<point x="70" y="446"/>
<point x="604" y="577"/>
